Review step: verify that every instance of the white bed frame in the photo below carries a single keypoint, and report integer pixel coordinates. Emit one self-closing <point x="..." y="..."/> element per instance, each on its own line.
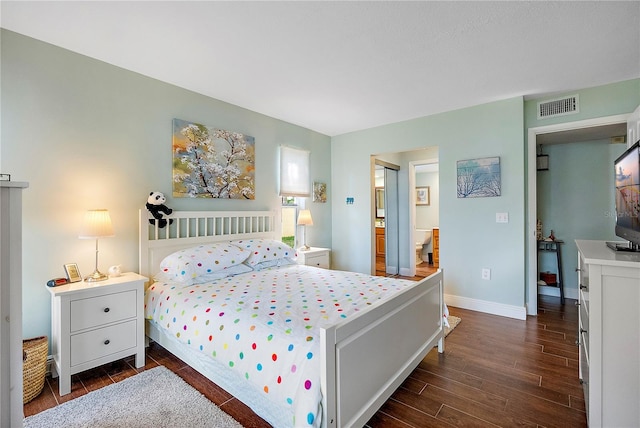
<point x="364" y="360"/>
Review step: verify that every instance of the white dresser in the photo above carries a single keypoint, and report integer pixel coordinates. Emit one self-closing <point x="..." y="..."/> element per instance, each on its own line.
<point x="609" y="337"/>
<point x="94" y="323"/>
<point x="315" y="256"/>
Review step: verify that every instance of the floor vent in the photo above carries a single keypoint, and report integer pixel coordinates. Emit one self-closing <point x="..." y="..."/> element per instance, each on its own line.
<point x="558" y="107"/>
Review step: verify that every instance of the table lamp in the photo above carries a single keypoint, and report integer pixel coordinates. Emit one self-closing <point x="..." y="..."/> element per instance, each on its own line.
<point x="304" y="219"/>
<point x="97" y="224"/>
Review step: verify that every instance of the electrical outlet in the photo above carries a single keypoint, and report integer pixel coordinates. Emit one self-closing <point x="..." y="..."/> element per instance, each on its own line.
<point x="486" y="274"/>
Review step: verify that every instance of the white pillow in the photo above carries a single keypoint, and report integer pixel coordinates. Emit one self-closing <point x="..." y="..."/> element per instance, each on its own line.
<point x="185" y="266"/>
<point x="264" y="250"/>
<point x="203" y="279"/>
<point x="272" y="263"/>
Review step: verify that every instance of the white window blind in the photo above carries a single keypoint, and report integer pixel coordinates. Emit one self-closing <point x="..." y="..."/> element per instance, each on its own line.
<point x="294" y="172"/>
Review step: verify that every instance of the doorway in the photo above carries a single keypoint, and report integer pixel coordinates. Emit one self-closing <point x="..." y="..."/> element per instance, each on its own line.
<point x="424" y="213"/>
<point x="405" y="203"/>
<point x="578" y="129"/>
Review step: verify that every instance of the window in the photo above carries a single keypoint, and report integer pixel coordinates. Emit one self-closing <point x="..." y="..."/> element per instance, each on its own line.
<point x="289" y="215"/>
<point x="294" y="172"/>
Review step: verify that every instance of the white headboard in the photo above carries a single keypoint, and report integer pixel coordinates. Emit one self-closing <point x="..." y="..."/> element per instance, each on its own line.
<point x="190" y="228"/>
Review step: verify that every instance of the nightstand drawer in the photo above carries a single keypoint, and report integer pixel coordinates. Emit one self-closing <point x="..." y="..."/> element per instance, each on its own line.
<point x="100" y="310"/>
<point x="95" y="344"/>
<point x="319" y="260"/>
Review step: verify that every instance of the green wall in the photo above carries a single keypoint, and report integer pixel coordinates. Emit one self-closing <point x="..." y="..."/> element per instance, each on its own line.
<point x="575" y="199"/>
<point x="470" y="238"/>
<point x="86" y="134"/>
<point x="620" y="98"/>
<point x="600" y="101"/>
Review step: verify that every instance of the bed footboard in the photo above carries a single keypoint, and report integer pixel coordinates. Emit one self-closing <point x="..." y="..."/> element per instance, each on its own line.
<point x="367" y="358"/>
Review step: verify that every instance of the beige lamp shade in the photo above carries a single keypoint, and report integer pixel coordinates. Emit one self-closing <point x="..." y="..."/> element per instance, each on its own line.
<point x="96" y="224"/>
<point x="304" y="218"/>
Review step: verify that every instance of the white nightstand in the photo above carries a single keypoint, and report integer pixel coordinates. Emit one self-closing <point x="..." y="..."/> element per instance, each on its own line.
<point x="94" y="323"/>
<point x="314" y="256"/>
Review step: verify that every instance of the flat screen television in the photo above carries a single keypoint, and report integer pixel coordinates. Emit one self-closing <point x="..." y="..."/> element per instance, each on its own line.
<point x="627" y="184"/>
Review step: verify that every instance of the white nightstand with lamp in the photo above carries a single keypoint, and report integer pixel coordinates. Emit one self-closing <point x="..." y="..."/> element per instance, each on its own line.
<point x="315" y="256"/>
<point x="311" y="256"/>
<point x="99" y="319"/>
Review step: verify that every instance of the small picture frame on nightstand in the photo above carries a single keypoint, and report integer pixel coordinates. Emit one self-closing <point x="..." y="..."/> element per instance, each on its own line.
<point x="72" y="271"/>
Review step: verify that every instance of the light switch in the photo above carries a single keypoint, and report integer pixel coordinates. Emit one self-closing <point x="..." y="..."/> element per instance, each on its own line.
<point x="502" y="217"/>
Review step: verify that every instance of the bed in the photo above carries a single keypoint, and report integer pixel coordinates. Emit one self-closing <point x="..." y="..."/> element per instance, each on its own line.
<point x="352" y="353"/>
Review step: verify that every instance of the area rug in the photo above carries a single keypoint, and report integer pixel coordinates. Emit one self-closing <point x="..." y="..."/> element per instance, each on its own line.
<point x="453" y="323"/>
<point x="153" y="398"/>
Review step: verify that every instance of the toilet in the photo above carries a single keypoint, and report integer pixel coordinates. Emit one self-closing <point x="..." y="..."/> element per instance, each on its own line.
<point x="422" y="240"/>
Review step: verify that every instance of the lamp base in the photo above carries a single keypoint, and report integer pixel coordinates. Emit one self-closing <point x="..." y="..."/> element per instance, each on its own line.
<point x="304" y="248"/>
<point x="96" y="276"/>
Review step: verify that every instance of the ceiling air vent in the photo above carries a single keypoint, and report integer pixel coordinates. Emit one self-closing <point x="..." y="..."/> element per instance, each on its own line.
<point x="558" y="107"/>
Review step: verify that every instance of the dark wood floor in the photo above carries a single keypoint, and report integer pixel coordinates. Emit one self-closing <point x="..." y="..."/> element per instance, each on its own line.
<point x="496" y="371"/>
<point x="423" y="269"/>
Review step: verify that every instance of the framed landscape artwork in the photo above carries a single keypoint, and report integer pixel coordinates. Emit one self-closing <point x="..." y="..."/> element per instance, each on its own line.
<point x="479" y="178"/>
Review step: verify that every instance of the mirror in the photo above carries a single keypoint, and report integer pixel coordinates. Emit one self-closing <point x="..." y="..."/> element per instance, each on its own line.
<point x="380" y="202"/>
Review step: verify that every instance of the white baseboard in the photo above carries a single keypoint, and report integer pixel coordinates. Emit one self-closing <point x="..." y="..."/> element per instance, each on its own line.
<point x="569" y="293"/>
<point x="509" y="311"/>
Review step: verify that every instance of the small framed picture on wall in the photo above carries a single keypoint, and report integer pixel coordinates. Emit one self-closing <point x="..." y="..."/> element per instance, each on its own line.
<point x="422" y="195"/>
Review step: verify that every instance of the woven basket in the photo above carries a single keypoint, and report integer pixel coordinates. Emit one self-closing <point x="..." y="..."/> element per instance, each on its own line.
<point x="34" y="366"/>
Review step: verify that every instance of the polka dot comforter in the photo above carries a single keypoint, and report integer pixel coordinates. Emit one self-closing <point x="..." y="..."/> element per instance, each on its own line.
<point x="265" y="324"/>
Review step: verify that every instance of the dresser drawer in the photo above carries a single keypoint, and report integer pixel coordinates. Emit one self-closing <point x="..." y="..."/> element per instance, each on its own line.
<point x="102" y="342"/>
<point x="584" y="314"/>
<point x="583" y="295"/>
<point x="584" y="370"/>
<point x="100" y="310"/>
<point x="318" y="260"/>
<point x="584" y="337"/>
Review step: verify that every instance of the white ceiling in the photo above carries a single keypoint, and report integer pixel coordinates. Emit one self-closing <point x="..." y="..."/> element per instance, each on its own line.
<point x="337" y="67"/>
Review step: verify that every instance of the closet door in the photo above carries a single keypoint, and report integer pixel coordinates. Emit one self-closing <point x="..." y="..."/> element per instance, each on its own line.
<point x="392" y="225"/>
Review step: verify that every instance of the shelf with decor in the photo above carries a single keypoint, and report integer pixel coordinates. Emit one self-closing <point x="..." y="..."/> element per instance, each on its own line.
<point x="552" y="279"/>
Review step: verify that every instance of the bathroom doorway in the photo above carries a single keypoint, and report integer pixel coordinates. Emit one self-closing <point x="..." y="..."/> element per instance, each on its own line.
<point x="424" y="215"/>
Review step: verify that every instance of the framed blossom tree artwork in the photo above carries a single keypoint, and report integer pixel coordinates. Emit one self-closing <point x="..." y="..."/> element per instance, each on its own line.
<point x="319" y="192"/>
<point x="212" y="163"/>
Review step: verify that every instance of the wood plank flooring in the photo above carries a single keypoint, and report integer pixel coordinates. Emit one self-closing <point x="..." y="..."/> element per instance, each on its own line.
<point x="495" y="371"/>
<point x="423" y="269"/>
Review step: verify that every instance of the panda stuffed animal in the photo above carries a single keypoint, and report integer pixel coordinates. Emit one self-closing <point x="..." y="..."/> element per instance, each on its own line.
<point x="155" y="205"/>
